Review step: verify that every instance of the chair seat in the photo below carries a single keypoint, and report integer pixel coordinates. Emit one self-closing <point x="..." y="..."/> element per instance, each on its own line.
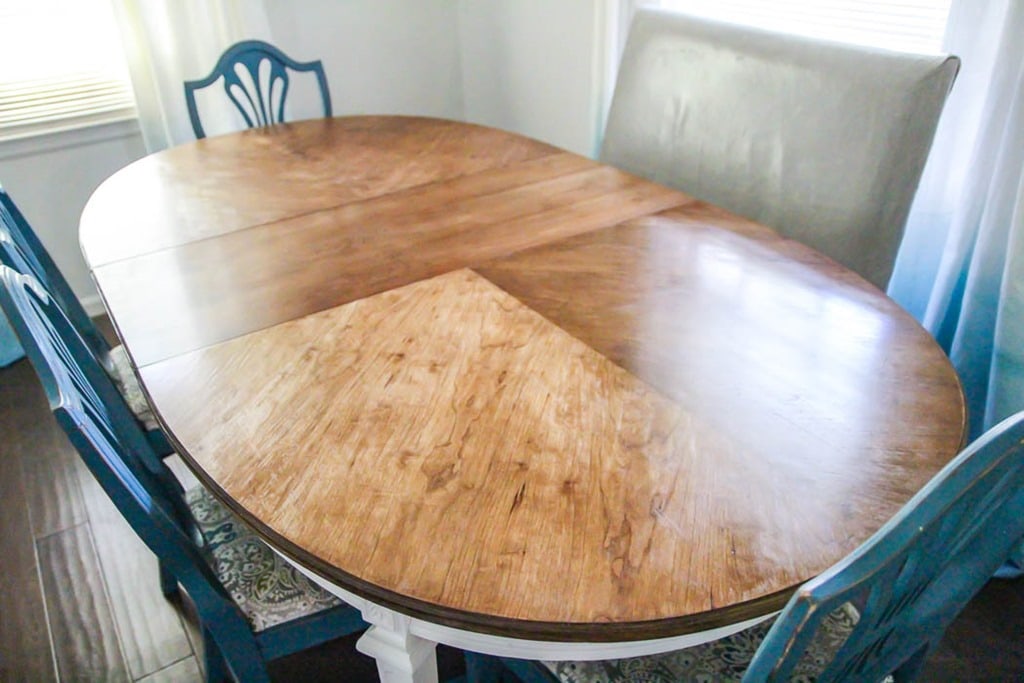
<point x="267" y="589"/>
<point x="719" y="661"/>
<point x="128" y="385"/>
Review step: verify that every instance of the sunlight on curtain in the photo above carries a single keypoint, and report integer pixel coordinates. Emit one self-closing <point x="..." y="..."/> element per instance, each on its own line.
<point x="170" y="41"/>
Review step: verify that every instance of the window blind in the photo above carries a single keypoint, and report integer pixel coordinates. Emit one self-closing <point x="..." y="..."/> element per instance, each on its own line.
<point x="910" y="25"/>
<point x="63" y="66"/>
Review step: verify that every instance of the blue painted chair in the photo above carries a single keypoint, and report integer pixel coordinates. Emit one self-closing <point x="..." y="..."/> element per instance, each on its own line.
<point x="10" y="348"/>
<point x="259" y="95"/>
<point x="877" y="613"/>
<point x="22" y="250"/>
<point x="252" y="605"/>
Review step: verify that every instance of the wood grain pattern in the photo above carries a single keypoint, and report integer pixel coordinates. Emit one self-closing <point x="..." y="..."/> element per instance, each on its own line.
<point x="178" y="300"/>
<point x="226" y="183"/>
<point x="983" y="644"/>
<point x="621" y="502"/>
<point x="151" y="632"/>
<point x="148" y="628"/>
<point x="768" y="341"/>
<point x="515" y="377"/>
<point x="24" y="635"/>
<point x="85" y="638"/>
<point x="535" y="396"/>
<point x="51" y="483"/>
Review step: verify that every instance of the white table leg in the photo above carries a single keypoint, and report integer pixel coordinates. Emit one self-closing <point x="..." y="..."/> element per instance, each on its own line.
<point x="401" y="657"/>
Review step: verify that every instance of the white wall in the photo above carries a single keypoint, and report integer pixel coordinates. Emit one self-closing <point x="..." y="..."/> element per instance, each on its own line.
<point x="535" y="67"/>
<point x="50" y="178"/>
<point x="380" y="56"/>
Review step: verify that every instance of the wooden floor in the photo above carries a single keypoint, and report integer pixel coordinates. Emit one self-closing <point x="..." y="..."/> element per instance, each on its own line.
<point x="79" y="599"/>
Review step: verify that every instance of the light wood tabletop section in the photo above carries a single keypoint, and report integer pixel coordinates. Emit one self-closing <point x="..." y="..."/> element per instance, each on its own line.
<point x="495" y="385"/>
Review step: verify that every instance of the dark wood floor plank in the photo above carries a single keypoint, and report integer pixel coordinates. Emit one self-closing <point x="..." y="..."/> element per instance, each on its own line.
<point x="84" y="635"/>
<point x="985" y="640"/>
<point x="47" y="459"/>
<point x="25" y="652"/>
<point x="149" y="626"/>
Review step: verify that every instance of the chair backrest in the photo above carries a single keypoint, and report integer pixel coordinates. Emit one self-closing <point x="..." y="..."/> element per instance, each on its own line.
<point x="256" y="80"/>
<point x="910" y="580"/>
<point x="21" y="249"/>
<point x="102" y="429"/>
<point x="821" y="141"/>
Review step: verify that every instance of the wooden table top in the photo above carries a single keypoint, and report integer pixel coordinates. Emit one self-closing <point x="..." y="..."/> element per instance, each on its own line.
<point x="503" y="387"/>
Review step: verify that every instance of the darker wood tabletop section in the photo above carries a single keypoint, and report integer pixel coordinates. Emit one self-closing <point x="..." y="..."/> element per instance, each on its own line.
<point x="390" y="233"/>
<point x="226" y="183"/>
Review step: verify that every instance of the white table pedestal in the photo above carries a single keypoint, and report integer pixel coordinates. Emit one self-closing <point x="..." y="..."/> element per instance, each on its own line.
<point x="401" y="657"/>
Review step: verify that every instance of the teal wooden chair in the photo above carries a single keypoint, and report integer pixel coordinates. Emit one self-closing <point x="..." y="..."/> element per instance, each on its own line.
<point x="21" y="249"/>
<point x="258" y="94"/>
<point x="253" y="606"/>
<point x="874" y="616"/>
<point x="10" y="348"/>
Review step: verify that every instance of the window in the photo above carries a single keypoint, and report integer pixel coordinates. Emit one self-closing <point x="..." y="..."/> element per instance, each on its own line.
<point x="911" y="25"/>
<point x="63" y="66"/>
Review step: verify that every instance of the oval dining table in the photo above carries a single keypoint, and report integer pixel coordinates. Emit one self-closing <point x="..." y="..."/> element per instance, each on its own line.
<point x="505" y="397"/>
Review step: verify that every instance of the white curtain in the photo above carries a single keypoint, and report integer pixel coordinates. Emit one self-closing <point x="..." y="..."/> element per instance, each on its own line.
<point x="170" y="41"/>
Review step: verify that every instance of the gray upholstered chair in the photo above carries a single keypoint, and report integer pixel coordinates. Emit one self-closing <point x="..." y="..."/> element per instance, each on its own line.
<point x="823" y="142"/>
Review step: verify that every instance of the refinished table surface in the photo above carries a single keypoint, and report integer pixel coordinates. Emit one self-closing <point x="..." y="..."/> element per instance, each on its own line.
<point x="488" y="383"/>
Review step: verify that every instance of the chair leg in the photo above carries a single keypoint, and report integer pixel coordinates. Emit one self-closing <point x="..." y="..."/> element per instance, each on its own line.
<point x="911" y="669"/>
<point x="213" y="662"/>
<point x="168" y="582"/>
<point x="236" y="651"/>
<point x="158" y="440"/>
<point x="483" y="668"/>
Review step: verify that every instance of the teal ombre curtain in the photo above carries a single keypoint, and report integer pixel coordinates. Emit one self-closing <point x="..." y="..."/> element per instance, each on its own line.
<point x="961" y="264"/>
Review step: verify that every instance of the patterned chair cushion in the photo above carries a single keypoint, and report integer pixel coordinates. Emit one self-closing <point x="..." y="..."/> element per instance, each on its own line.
<point x="267" y="589"/>
<point x="128" y="385"/>
<point x="720" y="661"/>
